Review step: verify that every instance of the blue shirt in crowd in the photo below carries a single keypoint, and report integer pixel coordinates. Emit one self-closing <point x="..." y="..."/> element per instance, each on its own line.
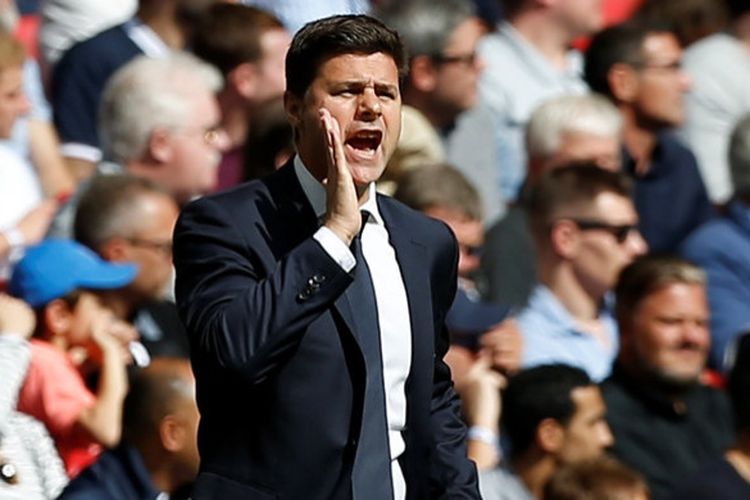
<point x="552" y="335"/>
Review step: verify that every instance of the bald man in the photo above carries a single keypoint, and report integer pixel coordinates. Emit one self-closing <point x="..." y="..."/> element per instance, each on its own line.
<point x="158" y="453"/>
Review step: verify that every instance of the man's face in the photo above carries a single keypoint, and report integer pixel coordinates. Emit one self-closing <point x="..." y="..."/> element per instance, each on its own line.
<point x="191" y="161"/>
<point x="661" y="82"/>
<point x="13" y="101"/>
<point x="668" y="333"/>
<point x="579" y="17"/>
<point x="151" y="246"/>
<point x="604" y="241"/>
<point x="362" y="94"/>
<point x="458" y="70"/>
<point x="587" y="435"/>
<point x="469" y="233"/>
<point x="582" y="146"/>
<point x="274" y="44"/>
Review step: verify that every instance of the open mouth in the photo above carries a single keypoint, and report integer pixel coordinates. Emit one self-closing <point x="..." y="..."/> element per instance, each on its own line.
<point x="364" y="143"/>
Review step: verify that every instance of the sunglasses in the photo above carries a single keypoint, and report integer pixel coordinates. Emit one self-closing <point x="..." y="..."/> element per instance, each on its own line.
<point x="621" y="232"/>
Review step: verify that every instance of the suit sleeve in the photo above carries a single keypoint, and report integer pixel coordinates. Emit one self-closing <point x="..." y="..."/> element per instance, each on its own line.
<point x="453" y="475"/>
<point x="240" y="314"/>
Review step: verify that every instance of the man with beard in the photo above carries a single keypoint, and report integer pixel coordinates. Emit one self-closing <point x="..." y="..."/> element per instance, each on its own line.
<point x="78" y="80"/>
<point x="665" y="421"/>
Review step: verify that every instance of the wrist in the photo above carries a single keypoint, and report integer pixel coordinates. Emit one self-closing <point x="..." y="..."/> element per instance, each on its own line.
<point x="483" y="434"/>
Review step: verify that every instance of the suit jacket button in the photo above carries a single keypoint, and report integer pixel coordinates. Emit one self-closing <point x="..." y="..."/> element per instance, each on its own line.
<point x="304" y="294"/>
<point x="319" y="278"/>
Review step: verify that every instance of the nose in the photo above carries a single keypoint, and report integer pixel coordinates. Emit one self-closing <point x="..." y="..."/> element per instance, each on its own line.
<point x="636" y="244"/>
<point x="368" y="106"/>
<point x="24" y="104"/>
<point x="686" y="82"/>
<point x="218" y="139"/>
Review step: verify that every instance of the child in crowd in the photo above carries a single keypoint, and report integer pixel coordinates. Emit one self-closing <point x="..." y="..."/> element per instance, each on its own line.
<point x="63" y="281"/>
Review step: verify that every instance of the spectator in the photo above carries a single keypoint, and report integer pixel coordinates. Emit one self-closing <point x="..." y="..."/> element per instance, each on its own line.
<point x="533" y="45"/>
<point x="719" y="67"/>
<point x="602" y="478"/>
<point x="444" y="194"/>
<point x="585" y="230"/>
<point x="24" y="216"/>
<point x="158" y="455"/>
<point x="248" y="46"/>
<point x="160" y="120"/>
<point x="125" y="218"/>
<point x="30" y="467"/>
<point x="719" y="247"/>
<point x="441" y="89"/>
<point x="637" y="65"/>
<point x="727" y="477"/>
<point x="158" y="27"/>
<point x="62" y="281"/>
<point x="552" y="415"/>
<point x="65" y="22"/>
<point x="564" y="129"/>
<point x="665" y="421"/>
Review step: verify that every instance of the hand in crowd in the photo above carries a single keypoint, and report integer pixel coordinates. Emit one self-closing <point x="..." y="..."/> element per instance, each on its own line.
<point x="16" y="317"/>
<point x="503" y="346"/>
<point x="111" y="336"/>
<point x="342" y="210"/>
<point x="480" y="395"/>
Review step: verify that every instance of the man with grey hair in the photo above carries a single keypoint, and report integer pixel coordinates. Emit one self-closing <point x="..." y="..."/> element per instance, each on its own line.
<point x="564" y="129"/>
<point x="159" y="119"/>
<point x="441" y="88"/>
<point x="722" y="248"/>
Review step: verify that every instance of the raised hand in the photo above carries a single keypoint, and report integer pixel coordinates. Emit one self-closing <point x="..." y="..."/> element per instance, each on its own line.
<point x="342" y="208"/>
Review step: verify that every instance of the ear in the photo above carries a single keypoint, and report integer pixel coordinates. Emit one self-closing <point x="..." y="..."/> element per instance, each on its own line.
<point x="172" y="433"/>
<point x="115" y="250"/>
<point x="550" y="435"/>
<point x="293" y="107"/>
<point x="423" y="74"/>
<point x="244" y="80"/>
<point x="623" y="82"/>
<point x="58" y="317"/>
<point x="564" y="238"/>
<point x="160" y="145"/>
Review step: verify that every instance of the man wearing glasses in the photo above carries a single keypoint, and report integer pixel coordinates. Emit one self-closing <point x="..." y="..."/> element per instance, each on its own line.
<point x="584" y="226"/>
<point x="638" y="66"/>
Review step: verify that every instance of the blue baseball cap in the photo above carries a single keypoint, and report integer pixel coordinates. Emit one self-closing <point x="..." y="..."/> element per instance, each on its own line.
<point x="54" y="268"/>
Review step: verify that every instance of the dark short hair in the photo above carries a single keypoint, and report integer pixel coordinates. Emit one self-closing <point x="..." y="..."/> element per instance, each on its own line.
<point x="323" y="39"/>
<point x="230" y="34"/>
<point x="571" y="185"/>
<point x="438" y="186"/>
<point x="648" y="274"/>
<point x="619" y="44"/>
<point x="536" y="394"/>
<point x="155" y="392"/>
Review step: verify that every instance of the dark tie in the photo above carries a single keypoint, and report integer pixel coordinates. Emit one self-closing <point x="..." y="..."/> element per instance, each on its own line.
<point x="371" y="476"/>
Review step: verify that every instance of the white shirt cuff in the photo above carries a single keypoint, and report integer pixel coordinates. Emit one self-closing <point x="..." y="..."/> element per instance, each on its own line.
<point x="81" y="152"/>
<point x="336" y="248"/>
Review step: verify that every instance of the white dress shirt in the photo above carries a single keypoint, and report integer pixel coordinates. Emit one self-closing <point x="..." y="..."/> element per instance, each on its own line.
<point x="393" y="307"/>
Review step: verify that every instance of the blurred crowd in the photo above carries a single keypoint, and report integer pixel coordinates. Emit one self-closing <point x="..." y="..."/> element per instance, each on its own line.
<point x="592" y="158"/>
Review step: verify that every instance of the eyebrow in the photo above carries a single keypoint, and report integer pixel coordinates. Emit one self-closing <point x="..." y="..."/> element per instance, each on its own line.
<point x="361" y="84"/>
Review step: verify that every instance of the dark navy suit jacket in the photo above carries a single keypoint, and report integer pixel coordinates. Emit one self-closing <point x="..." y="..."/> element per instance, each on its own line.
<point x="280" y="373"/>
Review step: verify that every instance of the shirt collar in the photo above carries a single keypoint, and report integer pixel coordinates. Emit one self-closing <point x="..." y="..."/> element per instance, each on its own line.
<point x="316" y="193"/>
<point x="146" y="39"/>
